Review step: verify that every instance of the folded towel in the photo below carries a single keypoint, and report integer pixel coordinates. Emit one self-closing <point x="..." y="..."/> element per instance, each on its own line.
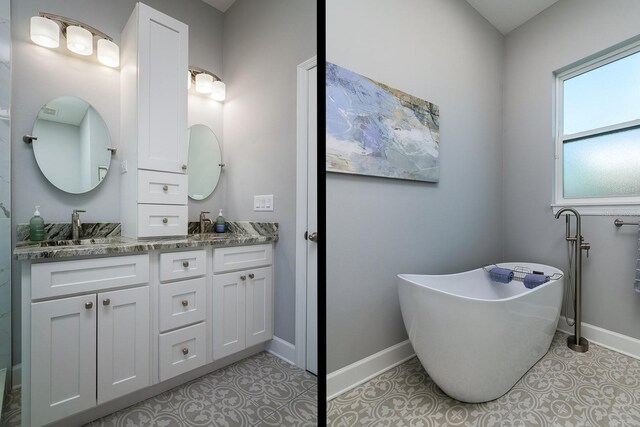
<point x="533" y="280"/>
<point x="501" y="275"/>
<point x="636" y="286"/>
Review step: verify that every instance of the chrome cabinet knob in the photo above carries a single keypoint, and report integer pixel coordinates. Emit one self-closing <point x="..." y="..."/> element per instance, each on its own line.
<point x="106" y="301"/>
<point x="185" y="303"/>
<point x="88" y="305"/>
<point x="165" y="220"/>
<point x="184" y="167"/>
<point x="243" y="277"/>
<point x="251" y="275"/>
<point x="185" y="264"/>
<point x="185" y="351"/>
<point x="165" y="187"/>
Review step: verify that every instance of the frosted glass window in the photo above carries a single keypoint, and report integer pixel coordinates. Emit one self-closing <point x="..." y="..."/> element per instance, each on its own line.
<point x="604" y="96"/>
<point x="598" y="139"/>
<point x="603" y="166"/>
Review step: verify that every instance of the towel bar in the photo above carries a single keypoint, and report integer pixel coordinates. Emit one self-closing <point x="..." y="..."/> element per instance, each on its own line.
<point x="619" y="223"/>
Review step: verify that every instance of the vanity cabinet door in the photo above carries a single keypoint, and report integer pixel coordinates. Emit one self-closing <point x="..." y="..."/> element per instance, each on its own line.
<point x="124" y="334"/>
<point x="63" y="358"/>
<point x="259" y="303"/>
<point x="162" y="113"/>
<point x="228" y="313"/>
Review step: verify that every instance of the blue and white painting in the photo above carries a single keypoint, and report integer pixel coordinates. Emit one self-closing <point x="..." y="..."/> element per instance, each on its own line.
<point x="373" y="129"/>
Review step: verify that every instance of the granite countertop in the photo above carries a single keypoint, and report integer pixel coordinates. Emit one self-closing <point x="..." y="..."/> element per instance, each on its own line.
<point x="105" y="239"/>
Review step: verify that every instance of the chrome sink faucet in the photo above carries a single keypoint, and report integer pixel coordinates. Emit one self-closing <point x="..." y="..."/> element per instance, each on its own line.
<point x="75" y="224"/>
<point x="203" y="219"/>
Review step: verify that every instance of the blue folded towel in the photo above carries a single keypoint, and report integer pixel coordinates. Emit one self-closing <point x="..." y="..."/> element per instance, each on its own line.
<point x="501" y="275"/>
<point x="533" y="280"/>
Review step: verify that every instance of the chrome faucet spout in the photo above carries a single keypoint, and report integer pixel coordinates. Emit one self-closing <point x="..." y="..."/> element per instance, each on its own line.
<point x="76" y="224"/>
<point x="203" y="220"/>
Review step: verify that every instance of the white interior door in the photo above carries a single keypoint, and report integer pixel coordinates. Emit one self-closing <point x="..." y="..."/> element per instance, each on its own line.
<point x="312" y="224"/>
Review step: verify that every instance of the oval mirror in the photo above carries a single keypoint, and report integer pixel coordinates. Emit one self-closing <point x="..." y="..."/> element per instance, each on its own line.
<point x="72" y="144"/>
<point x="204" y="161"/>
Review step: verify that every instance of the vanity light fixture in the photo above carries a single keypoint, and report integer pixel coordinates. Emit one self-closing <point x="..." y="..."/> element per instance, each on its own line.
<point x="45" y="31"/>
<point x="207" y="82"/>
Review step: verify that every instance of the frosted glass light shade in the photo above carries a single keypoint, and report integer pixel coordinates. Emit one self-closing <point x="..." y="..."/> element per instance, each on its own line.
<point x="204" y="83"/>
<point x="79" y="40"/>
<point x="45" y="32"/>
<point x="218" y="91"/>
<point x="108" y="53"/>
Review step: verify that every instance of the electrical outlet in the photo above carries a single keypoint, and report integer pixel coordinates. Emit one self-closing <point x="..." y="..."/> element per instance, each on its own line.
<point x="123" y="166"/>
<point x="263" y="203"/>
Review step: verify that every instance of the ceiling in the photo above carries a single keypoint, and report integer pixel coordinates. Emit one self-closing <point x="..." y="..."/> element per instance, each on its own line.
<point x="221" y="5"/>
<point x="507" y="15"/>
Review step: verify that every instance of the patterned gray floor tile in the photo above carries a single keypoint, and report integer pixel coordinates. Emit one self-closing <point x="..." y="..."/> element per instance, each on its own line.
<point x="222" y="398"/>
<point x="302" y="411"/>
<point x="564" y="389"/>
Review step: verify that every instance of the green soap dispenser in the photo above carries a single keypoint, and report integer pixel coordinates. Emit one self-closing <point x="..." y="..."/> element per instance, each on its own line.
<point x="220" y="223"/>
<point x="36" y="227"/>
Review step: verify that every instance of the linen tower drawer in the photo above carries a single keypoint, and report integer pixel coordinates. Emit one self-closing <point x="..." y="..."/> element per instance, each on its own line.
<point x="162" y="188"/>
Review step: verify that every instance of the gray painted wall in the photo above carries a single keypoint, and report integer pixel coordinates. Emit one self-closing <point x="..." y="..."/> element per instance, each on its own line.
<point x="40" y="74"/>
<point x="567" y="32"/>
<point x="264" y="41"/>
<point x="445" y="52"/>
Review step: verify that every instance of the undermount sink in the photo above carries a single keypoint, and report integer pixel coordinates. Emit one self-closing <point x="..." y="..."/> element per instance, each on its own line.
<point x="80" y="242"/>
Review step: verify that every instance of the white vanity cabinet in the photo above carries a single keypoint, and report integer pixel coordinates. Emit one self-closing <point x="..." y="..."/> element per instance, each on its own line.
<point x="153" y="81"/>
<point x="242" y="298"/>
<point x="85" y="349"/>
<point x="182" y="312"/>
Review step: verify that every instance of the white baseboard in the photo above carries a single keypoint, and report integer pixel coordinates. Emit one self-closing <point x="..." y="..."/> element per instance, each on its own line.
<point x="16" y="375"/>
<point x="282" y="349"/>
<point x="353" y="375"/>
<point x="612" y="340"/>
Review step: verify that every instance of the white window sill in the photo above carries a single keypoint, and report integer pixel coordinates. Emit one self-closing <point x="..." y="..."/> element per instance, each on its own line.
<point x="599" y="209"/>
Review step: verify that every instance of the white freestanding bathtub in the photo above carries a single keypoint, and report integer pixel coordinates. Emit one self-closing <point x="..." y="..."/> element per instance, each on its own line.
<point x="476" y="338"/>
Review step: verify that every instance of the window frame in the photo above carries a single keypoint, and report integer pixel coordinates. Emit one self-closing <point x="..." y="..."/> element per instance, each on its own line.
<point x="618" y="205"/>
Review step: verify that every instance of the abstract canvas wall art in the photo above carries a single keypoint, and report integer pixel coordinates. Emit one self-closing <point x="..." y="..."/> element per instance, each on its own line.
<point x="373" y="129"/>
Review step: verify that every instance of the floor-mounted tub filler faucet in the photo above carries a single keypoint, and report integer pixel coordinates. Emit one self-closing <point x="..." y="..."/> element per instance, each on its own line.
<point x="576" y="342"/>
<point x="76" y="224"/>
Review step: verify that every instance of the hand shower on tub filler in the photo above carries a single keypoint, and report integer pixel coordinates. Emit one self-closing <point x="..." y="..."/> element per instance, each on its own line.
<point x="575" y="342"/>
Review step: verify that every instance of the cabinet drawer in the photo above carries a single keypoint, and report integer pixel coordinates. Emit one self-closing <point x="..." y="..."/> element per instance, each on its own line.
<point x="162" y="188"/>
<point x="69" y="277"/>
<point x="182" y="265"/>
<point x="182" y="303"/>
<point x="182" y="350"/>
<point x="239" y="258"/>
<point x="162" y="220"/>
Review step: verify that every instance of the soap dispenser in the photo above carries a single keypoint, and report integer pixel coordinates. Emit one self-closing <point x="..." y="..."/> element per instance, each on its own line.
<point x="36" y="227"/>
<point x="220" y="223"/>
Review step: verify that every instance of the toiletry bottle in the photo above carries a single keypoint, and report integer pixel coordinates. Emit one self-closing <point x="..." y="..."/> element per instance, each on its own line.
<point x="36" y="227"/>
<point x="220" y="223"/>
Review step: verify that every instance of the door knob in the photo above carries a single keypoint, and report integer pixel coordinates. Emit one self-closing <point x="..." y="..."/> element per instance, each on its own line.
<point x="313" y="236"/>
